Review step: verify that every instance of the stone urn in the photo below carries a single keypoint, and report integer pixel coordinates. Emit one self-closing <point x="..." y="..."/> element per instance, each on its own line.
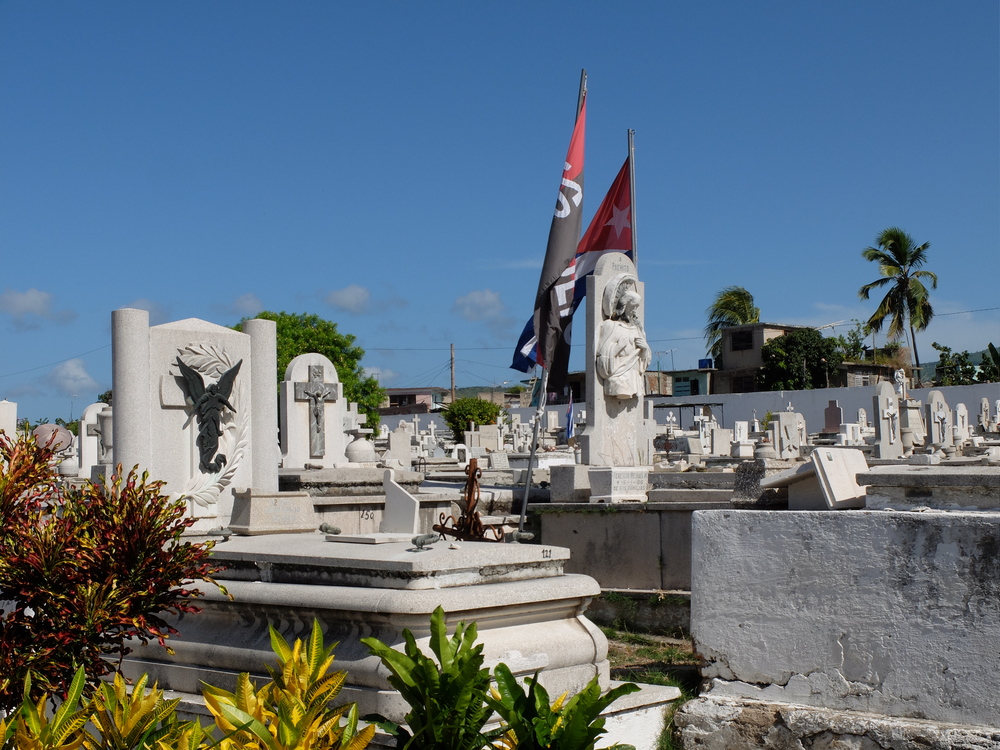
<point x="906" y="438"/>
<point x="360" y="450"/>
<point x="764" y="449"/>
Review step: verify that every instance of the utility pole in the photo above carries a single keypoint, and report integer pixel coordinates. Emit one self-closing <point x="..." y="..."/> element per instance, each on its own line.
<point x="453" y="373"/>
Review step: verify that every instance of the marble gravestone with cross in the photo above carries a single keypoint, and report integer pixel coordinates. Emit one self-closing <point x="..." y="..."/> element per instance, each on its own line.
<point x="960" y="429"/>
<point x="95" y="441"/>
<point x="787" y="434"/>
<point x="939" y="421"/>
<point x="194" y="405"/>
<point x="312" y="414"/>
<point x="983" y="418"/>
<point x="399" y="454"/>
<point x="886" y="416"/>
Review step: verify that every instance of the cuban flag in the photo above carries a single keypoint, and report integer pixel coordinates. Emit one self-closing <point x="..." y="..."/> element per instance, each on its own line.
<point x="610" y="231"/>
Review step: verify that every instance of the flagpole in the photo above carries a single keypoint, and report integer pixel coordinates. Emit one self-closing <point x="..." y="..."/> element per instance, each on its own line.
<point x="539" y="412"/>
<point x="631" y="187"/>
<point x="544" y="395"/>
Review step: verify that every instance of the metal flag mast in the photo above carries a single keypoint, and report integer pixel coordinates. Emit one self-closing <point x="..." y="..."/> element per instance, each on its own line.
<point x="631" y="194"/>
<point x="544" y="391"/>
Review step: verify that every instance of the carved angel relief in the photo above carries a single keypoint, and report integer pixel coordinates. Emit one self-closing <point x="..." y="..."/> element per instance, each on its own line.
<point x="221" y="418"/>
<point x="209" y="402"/>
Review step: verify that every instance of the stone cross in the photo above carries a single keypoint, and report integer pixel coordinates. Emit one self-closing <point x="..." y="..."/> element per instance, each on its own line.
<point x="671" y="422"/>
<point x="317" y="393"/>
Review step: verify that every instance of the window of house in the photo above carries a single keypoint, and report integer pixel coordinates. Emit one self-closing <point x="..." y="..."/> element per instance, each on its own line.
<point x="741" y="341"/>
<point x="743" y="383"/>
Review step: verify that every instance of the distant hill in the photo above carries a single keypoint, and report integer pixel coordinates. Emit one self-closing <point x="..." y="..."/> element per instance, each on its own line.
<point x="929" y="371"/>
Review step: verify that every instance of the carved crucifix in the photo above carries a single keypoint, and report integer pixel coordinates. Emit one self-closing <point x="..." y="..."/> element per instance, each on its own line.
<point x="941" y="420"/>
<point x="890" y="414"/>
<point x="317" y="393"/>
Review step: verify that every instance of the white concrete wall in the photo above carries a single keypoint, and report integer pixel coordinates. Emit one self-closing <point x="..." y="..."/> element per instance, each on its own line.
<point x="885" y="612"/>
<point x="740" y="406"/>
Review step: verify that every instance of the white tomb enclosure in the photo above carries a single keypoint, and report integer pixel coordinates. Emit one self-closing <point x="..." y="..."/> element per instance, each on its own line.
<point x="850" y="434"/>
<point x="529" y="613"/>
<point x="741" y="446"/>
<point x="183" y="395"/>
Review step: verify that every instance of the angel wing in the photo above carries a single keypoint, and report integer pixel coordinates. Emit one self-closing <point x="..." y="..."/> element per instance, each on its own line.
<point x="228" y="378"/>
<point x="193" y="380"/>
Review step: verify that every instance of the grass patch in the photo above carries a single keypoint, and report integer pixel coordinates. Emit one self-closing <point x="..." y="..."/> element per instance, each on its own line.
<point x="655" y="660"/>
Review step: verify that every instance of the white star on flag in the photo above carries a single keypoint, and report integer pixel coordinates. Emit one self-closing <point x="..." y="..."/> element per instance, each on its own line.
<point x="619" y="220"/>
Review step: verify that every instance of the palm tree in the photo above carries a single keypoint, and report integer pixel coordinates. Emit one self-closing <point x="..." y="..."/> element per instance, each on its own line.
<point x="899" y="261"/>
<point x="732" y="307"/>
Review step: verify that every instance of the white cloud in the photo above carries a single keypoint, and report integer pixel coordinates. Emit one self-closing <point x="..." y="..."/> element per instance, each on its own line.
<point x="71" y="378"/>
<point x="26" y="308"/>
<point x="383" y="374"/>
<point x="479" y="305"/>
<point x="22" y="390"/>
<point x="247" y="305"/>
<point x="157" y="312"/>
<point x="352" y="299"/>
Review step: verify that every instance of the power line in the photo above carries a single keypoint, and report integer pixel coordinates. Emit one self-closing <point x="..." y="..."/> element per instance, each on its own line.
<point x="59" y="362"/>
<point x="963" y="312"/>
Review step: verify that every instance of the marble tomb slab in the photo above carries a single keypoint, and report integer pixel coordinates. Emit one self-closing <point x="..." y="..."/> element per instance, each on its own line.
<point x="309" y="558"/>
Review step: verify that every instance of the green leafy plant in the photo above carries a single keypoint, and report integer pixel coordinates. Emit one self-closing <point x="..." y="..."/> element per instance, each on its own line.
<point x="293" y="711"/>
<point x="801" y="359"/>
<point x="532" y="724"/>
<point x="132" y="720"/>
<point x="34" y="730"/>
<point x="953" y="368"/>
<point x="447" y="697"/>
<point x="86" y="569"/>
<point x="464" y="410"/>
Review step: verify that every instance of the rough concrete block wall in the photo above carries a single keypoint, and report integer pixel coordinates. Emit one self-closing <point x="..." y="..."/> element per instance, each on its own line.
<point x="891" y="613"/>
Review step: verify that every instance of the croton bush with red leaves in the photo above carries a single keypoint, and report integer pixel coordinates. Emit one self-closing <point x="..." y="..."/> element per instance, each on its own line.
<point x="82" y="571"/>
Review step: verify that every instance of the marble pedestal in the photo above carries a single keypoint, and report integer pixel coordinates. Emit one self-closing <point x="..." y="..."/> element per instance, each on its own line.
<point x="529" y="613"/>
<point x="619" y="484"/>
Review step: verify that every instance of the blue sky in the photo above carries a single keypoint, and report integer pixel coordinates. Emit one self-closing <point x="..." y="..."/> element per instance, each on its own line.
<point x="393" y="166"/>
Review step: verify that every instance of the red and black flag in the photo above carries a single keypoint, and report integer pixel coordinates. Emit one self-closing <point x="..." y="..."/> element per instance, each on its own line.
<point x="554" y="298"/>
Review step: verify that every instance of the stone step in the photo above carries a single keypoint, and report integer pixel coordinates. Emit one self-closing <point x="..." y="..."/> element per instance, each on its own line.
<point x="692" y="479"/>
<point x="684" y="495"/>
